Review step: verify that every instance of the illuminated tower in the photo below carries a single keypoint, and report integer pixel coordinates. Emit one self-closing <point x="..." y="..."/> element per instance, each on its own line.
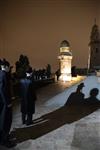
<point x="94" y="49"/>
<point x="65" y="58"/>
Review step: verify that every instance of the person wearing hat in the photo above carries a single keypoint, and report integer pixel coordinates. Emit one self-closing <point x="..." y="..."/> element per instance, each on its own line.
<point x="28" y="97"/>
<point x="76" y="98"/>
<point x="5" y="102"/>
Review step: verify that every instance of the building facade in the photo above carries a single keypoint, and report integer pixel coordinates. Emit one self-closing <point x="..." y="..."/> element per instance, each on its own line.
<point x="65" y="58"/>
<point x="94" y="49"/>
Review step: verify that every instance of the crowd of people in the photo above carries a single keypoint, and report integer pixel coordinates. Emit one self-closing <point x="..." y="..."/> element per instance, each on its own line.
<point x="28" y="98"/>
<point x="38" y="74"/>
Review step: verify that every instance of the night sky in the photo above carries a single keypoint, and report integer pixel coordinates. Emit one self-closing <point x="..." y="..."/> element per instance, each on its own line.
<point x="37" y="27"/>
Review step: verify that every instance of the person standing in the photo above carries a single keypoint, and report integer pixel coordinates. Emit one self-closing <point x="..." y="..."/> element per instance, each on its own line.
<point x="28" y="97"/>
<point x="5" y="104"/>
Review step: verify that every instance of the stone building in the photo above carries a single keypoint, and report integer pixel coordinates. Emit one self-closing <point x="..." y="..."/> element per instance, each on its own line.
<point x="94" y="49"/>
<point x="65" y="58"/>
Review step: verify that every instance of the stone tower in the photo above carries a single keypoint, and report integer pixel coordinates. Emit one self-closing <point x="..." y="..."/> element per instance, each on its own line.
<point x="94" y="49"/>
<point x="65" y="58"/>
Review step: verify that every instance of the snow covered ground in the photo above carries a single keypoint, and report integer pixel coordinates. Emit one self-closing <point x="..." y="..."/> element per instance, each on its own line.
<point x="83" y="134"/>
<point x="60" y="99"/>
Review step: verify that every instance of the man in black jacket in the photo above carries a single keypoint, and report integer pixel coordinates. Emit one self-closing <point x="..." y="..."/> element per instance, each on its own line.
<point x="28" y="97"/>
<point x="5" y="104"/>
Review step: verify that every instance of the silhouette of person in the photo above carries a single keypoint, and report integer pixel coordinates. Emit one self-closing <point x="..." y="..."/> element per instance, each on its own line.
<point x="57" y="74"/>
<point x="6" y="105"/>
<point x="28" y="97"/>
<point x="93" y="100"/>
<point x="77" y="97"/>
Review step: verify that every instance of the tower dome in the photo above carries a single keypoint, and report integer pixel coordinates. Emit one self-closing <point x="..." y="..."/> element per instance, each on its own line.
<point x="64" y="43"/>
<point x="65" y="48"/>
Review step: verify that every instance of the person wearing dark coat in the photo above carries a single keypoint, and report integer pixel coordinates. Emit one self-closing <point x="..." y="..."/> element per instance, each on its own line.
<point x="28" y="97"/>
<point x="76" y="98"/>
<point x="5" y="104"/>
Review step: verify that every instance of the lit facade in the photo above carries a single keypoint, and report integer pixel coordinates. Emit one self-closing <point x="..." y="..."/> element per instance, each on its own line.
<point x="65" y="58"/>
<point x="94" y="49"/>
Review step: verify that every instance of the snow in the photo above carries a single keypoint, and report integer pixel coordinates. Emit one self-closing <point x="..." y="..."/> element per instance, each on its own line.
<point x="61" y="98"/>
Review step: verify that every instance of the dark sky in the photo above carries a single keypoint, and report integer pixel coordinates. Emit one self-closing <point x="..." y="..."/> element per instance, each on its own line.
<point x="37" y="27"/>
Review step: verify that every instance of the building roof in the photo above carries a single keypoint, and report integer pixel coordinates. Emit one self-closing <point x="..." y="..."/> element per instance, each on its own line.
<point x="64" y="43"/>
<point x="95" y="35"/>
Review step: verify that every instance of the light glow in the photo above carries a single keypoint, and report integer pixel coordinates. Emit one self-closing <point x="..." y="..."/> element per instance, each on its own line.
<point x="65" y="77"/>
<point x="65" y="69"/>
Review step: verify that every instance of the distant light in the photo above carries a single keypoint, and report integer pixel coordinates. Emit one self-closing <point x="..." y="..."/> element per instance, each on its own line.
<point x="65" y="77"/>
